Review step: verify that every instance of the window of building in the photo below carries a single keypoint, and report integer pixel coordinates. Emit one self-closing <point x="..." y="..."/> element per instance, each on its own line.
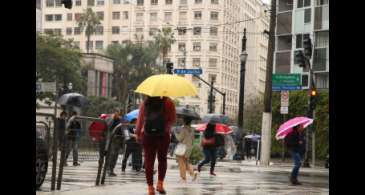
<point x="154" y="2"/>
<point x="58" y="17"/>
<point x="139" y="30"/>
<point x="116" y="1"/>
<point x="99" y="30"/>
<point x="284" y="23"/>
<point x="69" y="31"/>
<point x="320" y="59"/>
<point x="322" y="39"/>
<point x="321" y="17"/>
<point x="140" y="2"/>
<point x="78" y="3"/>
<point x="168" y="16"/>
<point x="126" y="2"/>
<point x="181" y="62"/>
<point x="139" y="17"/>
<point x="77" y="31"/>
<point x="100" y="15"/>
<point x="299" y="40"/>
<point x="183" y="2"/>
<point x="303" y="3"/>
<point x="196" y="46"/>
<point x="181" y="46"/>
<point x="213" y="47"/>
<point x="125" y="15"/>
<point x="49" y="17"/>
<point x="197" y="30"/>
<point x="168" y="2"/>
<point x="197" y="15"/>
<point x="99" y="2"/>
<point x="69" y="17"/>
<point x="153" y="31"/>
<point x="58" y="3"/>
<point x="50" y="3"/>
<point x="214" y="15"/>
<point x="57" y="31"/>
<point x="183" y="16"/>
<point x="198" y="1"/>
<point x="307" y="16"/>
<point x="98" y="44"/>
<point x="115" y="42"/>
<point x="213" y="62"/>
<point x="48" y="31"/>
<point x="213" y="31"/>
<point x="116" y="15"/>
<point x="182" y="30"/>
<point x="214" y="1"/>
<point x="115" y="30"/>
<point x="196" y="62"/>
<point x="153" y="17"/>
<point x="124" y="29"/>
<point x="90" y="45"/>
<point x="77" y="16"/>
<point x="282" y="62"/>
<point x="284" y="42"/>
<point x="322" y="2"/>
<point x="90" y="2"/>
<point x="285" y="5"/>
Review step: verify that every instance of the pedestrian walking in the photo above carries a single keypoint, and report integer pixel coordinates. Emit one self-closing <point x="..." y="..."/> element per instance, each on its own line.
<point x="248" y="147"/>
<point x="156" y="116"/>
<point x="62" y="120"/>
<point x="132" y="147"/>
<point x="185" y="139"/>
<point x="73" y="138"/>
<point x="209" y="148"/>
<point x="295" y="143"/>
<point x="117" y="141"/>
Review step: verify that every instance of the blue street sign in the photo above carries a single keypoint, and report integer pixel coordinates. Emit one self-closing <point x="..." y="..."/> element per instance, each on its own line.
<point x="286" y="87"/>
<point x="188" y="71"/>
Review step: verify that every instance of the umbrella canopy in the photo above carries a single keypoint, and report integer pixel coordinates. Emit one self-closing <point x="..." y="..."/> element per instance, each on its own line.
<point x="219" y="128"/>
<point x="73" y="99"/>
<point x="183" y="111"/>
<point x="131" y="115"/>
<point x="167" y="85"/>
<point x="287" y="127"/>
<point x="215" y="118"/>
<point x="253" y="137"/>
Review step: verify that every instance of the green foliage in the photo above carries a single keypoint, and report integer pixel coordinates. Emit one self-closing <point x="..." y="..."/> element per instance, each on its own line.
<point x="88" y="22"/>
<point x="164" y="39"/>
<point x="196" y="154"/>
<point x="298" y="103"/>
<point x="101" y="105"/>
<point x="253" y="115"/>
<point x="58" y="60"/>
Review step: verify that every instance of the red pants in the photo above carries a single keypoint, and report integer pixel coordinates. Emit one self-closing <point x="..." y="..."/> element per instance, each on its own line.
<point x="155" y="145"/>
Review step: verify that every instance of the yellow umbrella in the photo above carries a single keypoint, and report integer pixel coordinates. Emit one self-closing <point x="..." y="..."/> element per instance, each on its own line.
<point x="167" y="85"/>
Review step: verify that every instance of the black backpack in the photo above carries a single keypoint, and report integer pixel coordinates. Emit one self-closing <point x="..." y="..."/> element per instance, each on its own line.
<point x="154" y="117"/>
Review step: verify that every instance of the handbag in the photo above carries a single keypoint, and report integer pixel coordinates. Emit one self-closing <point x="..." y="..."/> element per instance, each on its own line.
<point x="180" y="149"/>
<point x="208" y="142"/>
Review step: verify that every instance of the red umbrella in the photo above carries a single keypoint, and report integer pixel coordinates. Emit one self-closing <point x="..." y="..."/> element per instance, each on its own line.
<point x="96" y="129"/>
<point x="219" y="128"/>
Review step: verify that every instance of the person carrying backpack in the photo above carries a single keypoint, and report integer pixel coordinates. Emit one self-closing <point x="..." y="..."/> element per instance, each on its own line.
<point x="295" y="143"/>
<point x="153" y="130"/>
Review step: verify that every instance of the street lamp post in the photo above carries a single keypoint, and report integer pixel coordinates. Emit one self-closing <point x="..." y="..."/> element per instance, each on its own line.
<point x="243" y="58"/>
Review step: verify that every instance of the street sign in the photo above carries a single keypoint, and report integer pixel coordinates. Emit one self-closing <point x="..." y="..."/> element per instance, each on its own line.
<point x="284" y="110"/>
<point x="286" y="79"/>
<point x="284" y="98"/>
<point x="285" y="88"/>
<point x="188" y="71"/>
<point x="46" y="87"/>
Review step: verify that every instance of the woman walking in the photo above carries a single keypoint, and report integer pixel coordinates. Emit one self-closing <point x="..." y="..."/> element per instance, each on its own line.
<point x="186" y="137"/>
<point x="156" y="116"/>
<point x="209" y="148"/>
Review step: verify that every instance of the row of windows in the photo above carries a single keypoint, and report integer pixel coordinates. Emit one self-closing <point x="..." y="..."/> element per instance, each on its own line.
<point x="197" y="46"/>
<point x="182" y="2"/>
<point x="212" y="62"/>
<point x="57" y="3"/>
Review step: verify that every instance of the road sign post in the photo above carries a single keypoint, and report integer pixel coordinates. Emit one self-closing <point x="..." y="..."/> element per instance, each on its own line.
<point x="286" y="82"/>
<point x="189" y="71"/>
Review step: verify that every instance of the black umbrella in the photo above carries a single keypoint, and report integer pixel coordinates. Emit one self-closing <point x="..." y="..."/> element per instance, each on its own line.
<point x="183" y="111"/>
<point x="215" y="118"/>
<point x="73" y="99"/>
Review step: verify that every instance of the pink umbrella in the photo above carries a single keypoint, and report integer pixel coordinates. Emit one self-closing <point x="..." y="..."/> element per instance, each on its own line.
<point x="287" y="127"/>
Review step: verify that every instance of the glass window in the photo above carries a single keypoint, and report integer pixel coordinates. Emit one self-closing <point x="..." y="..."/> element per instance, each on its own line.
<point x="213" y="31"/>
<point x="214" y="1"/>
<point x="181" y="46"/>
<point x="196" y="46"/>
<point x="183" y="16"/>
<point x="58" y="17"/>
<point x="197" y="30"/>
<point x="322" y="39"/>
<point x="116" y="15"/>
<point x="196" y="62"/>
<point x="100" y="15"/>
<point x="69" y="17"/>
<point x="320" y="59"/>
<point x="168" y="2"/>
<point x="183" y="2"/>
<point x="139" y="17"/>
<point x="307" y="3"/>
<point x="115" y="42"/>
<point x="213" y="46"/>
<point x="284" y="42"/>
<point x="98" y="44"/>
<point x="198" y="1"/>
<point x="153" y="31"/>
<point x="153" y="17"/>
<point x="213" y="62"/>
<point x="139" y="30"/>
<point x="50" y="3"/>
<point x="285" y="5"/>
<point x="90" y="46"/>
<point x="77" y="16"/>
<point x="284" y="23"/>
<point x="299" y="40"/>
<point x="77" y="31"/>
<point x="214" y="15"/>
<point x="198" y="15"/>
<point x="125" y="15"/>
<point x="90" y="2"/>
<point x="68" y="31"/>
<point x="99" y="2"/>
<point x="182" y="30"/>
<point x="168" y="16"/>
<point x="321" y="2"/>
<point x="115" y="30"/>
<point x="99" y="30"/>
<point x="116" y="1"/>
<point x="58" y="3"/>
<point x="140" y="2"/>
<point x="181" y="62"/>
<point x="282" y="62"/>
<point x="49" y="17"/>
<point x="57" y="31"/>
<point x="154" y="2"/>
<point x="307" y="16"/>
<point x="305" y="82"/>
<point x="78" y="3"/>
<point x="300" y="3"/>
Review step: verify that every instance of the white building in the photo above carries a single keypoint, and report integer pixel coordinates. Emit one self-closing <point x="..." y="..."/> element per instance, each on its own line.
<point x="212" y="39"/>
<point x="295" y="20"/>
<point x="38" y="16"/>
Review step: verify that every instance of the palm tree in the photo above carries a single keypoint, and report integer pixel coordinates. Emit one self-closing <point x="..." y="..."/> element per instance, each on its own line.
<point x="88" y="21"/>
<point x="164" y="40"/>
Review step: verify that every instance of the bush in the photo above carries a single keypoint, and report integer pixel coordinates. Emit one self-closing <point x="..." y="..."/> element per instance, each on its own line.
<point x="196" y="154"/>
<point x="101" y="105"/>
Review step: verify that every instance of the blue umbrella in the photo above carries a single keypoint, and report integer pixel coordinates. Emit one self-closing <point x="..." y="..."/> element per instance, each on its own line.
<point x="132" y="115"/>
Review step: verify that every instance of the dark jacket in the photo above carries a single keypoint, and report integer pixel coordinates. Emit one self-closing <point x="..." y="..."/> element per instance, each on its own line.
<point x="292" y="142"/>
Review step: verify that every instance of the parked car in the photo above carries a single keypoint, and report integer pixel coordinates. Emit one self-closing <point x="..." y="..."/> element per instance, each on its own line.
<point x="41" y="165"/>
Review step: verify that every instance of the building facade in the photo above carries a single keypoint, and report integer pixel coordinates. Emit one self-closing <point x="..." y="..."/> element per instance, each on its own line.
<point x="211" y="39"/>
<point x="297" y="19"/>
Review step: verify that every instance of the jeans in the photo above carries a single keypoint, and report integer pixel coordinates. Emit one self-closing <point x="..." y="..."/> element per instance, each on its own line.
<point x="117" y="145"/>
<point x="210" y="156"/>
<point x="136" y="151"/>
<point x="72" y="144"/>
<point x="297" y="162"/>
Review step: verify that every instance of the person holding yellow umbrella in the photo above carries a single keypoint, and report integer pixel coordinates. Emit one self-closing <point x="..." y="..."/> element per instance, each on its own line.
<point x="156" y="116"/>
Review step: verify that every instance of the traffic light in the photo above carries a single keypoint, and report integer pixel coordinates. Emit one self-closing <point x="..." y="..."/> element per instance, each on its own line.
<point x="169" y="67"/>
<point x="307" y="45"/>
<point x="313" y="92"/>
<point x="67" y="3"/>
<point x="299" y="58"/>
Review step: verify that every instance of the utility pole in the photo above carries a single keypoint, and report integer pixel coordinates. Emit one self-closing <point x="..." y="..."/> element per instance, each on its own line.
<point x="267" y="116"/>
<point x="243" y="58"/>
<point x="211" y="98"/>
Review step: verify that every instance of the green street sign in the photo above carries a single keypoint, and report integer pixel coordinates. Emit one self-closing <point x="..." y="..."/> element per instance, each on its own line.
<point x="286" y="80"/>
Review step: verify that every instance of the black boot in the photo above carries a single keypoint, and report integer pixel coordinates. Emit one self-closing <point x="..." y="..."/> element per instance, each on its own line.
<point x="294" y="181"/>
<point x="212" y="171"/>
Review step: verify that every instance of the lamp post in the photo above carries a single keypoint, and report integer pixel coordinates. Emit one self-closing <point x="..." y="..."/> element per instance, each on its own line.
<point x="243" y="58"/>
